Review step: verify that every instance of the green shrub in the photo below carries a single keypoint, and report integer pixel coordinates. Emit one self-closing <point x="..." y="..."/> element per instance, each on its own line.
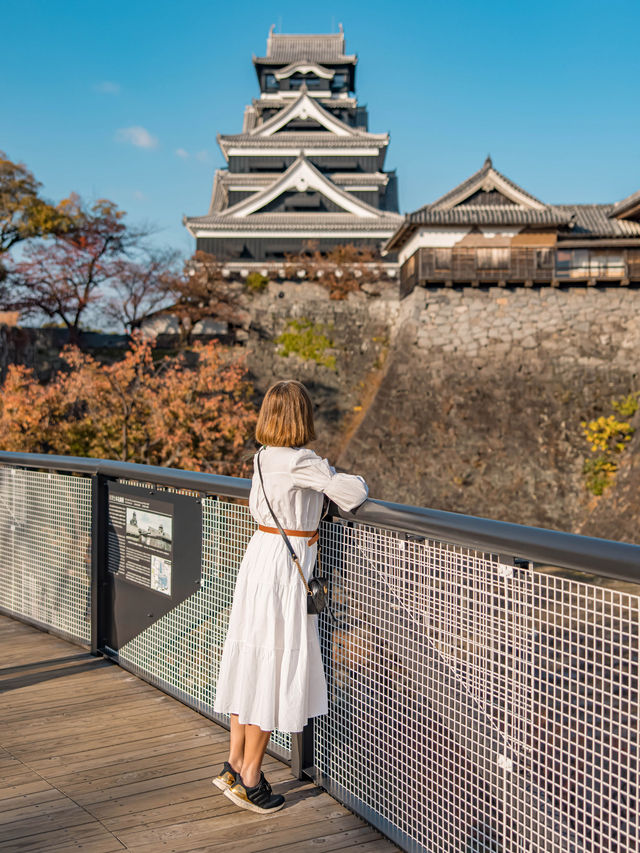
<point x="256" y="281"/>
<point x="303" y="338"/>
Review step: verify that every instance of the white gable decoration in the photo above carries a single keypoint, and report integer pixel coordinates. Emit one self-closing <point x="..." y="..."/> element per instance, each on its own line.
<point x="303" y="108"/>
<point x="300" y="177"/>
<point x="304" y="68"/>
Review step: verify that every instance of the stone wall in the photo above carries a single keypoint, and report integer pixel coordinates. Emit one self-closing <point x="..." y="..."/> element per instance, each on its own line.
<point x="480" y="408"/>
<point x="568" y="324"/>
<point x="359" y="327"/>
<point x="465" y="399"/>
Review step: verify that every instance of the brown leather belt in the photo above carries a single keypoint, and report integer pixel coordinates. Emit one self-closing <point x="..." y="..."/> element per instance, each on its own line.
<point x="312" y="534"/>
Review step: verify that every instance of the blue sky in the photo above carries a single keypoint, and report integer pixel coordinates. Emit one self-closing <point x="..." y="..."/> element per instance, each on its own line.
<point x="550" y="89"/>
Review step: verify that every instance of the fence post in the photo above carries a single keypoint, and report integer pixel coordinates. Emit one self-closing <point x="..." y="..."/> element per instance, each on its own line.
<point x="98" y="558"/>
<point x="302" y="751"/>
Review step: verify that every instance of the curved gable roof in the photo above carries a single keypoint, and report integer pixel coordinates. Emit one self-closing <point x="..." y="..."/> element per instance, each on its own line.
<point x="303" y="107"/>
<point x="302" y="175"/>
<point x="485" y="180"/>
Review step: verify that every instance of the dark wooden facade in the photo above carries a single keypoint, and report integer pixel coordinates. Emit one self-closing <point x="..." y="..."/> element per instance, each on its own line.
<point x="266" y="248"/>
<point x="521" y="265"/>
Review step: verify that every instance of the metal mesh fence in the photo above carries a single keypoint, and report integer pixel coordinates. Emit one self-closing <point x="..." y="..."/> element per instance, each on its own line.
<point x="182" y="650"/>
<point x="477" y="706"/>
<point x="45" y="549"/>
<point x="474" y="705"/>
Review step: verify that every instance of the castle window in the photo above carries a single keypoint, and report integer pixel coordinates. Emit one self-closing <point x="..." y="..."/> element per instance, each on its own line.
<point x="270" y="82"/>
<point x="339" y="82"/>
<point x="311" y="81"/>
<point x="606" y="264"/>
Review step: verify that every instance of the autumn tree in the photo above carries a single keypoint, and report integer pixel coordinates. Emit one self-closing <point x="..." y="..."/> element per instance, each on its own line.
<point x="197" y="416"/>
<point x="140" y="287"/>
<point x="201" y="290"/>
<point x="65" y="277"/>
<point x="23" y="213"/>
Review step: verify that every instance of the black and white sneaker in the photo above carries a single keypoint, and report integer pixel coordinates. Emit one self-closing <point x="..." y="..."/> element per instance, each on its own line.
<point x="226" y="777"/>
<point x="257" y="799"/>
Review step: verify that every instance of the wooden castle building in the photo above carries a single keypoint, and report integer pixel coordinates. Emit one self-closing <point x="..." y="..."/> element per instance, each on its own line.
<point x="488" y="230"/>
<point x="305" y="169"/>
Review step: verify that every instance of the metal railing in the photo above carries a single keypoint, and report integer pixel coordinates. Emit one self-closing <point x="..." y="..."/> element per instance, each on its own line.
<point x="479" y="699"/>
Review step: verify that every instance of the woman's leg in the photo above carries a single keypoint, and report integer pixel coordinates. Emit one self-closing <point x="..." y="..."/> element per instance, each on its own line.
<point x="236" y="743"/>
<point x="255" y="745"/>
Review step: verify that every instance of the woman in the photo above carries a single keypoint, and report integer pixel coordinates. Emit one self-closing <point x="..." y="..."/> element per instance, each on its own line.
<point x="271" y="674"/>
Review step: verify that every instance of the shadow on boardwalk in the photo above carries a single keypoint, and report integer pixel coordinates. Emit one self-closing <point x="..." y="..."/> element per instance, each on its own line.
<point x="91" y="757"/>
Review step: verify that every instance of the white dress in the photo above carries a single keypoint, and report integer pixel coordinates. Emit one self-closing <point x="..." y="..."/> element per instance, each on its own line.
<point x="271" y="672"/>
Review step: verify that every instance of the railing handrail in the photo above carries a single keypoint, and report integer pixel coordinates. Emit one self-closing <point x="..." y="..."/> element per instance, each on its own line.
<point x="602" y="557"/>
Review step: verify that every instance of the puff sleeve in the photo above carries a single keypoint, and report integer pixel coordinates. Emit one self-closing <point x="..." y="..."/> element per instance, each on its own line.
<point x="310" y="471"/>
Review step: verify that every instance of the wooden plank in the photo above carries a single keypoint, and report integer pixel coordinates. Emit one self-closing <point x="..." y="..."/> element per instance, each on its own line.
<point x="200" y="804"/>
<point x="105" y="757"/>
<point x="348" y="839"/>
<point x="56" y="803"/>
<point x="117" y="739"/>
<point x="29" y="800"/>
<point x="34" y="786"/>
<point x="259" y="833"/>
<point x="87" y="724"/>
<point x="88" y="836"/>
<point x="66" y="729"/>
<point x="139" y="769"/>
<point x="94" y="758"/>
<point x="67" y="817"/>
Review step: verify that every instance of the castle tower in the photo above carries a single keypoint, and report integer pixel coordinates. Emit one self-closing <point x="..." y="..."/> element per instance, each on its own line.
<point x="305" y="169"/>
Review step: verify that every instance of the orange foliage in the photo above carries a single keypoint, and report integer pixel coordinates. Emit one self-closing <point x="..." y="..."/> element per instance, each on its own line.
<point x="168" y="413"/>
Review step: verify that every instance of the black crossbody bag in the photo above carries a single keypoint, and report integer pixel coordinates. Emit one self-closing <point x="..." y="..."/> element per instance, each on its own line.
<point x="317" y="587"/>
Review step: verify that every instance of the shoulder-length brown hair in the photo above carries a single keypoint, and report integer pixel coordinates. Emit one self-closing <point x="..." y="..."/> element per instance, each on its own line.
<point x="286" y="416"/>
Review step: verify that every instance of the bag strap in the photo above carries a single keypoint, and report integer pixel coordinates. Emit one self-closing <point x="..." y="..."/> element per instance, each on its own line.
<point x="287" y="541"/>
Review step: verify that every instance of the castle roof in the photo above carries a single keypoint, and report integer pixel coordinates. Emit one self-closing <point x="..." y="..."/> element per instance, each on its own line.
<point x="286" y="48"/>
<point x="308" y="109"/>
<point x="489" y="198"/>
<point x="225" y="182"/>
<point x="294" y="224"/>
<point x="597" y="220"/>
<point x="301" y="176"/>
<point x="485" y="198"/>
<point x="285" y="144"/>
<point x="628" y="208"/>
<point x="485" y="180"/>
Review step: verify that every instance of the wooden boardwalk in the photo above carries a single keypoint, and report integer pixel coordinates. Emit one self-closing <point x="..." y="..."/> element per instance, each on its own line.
<point x="94" y="759"/>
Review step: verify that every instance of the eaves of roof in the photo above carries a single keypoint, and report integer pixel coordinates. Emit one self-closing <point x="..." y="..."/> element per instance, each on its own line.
<point x="309" y="53"/>
<point x="343" y="179"/>
<point x="488" y="215"/>
<point x="295" y="222"/>
<point x="289" y="140"/>
<point x="625" y="205"/>
<point x="597" y="220"/>
<point x="328" y="102"/>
